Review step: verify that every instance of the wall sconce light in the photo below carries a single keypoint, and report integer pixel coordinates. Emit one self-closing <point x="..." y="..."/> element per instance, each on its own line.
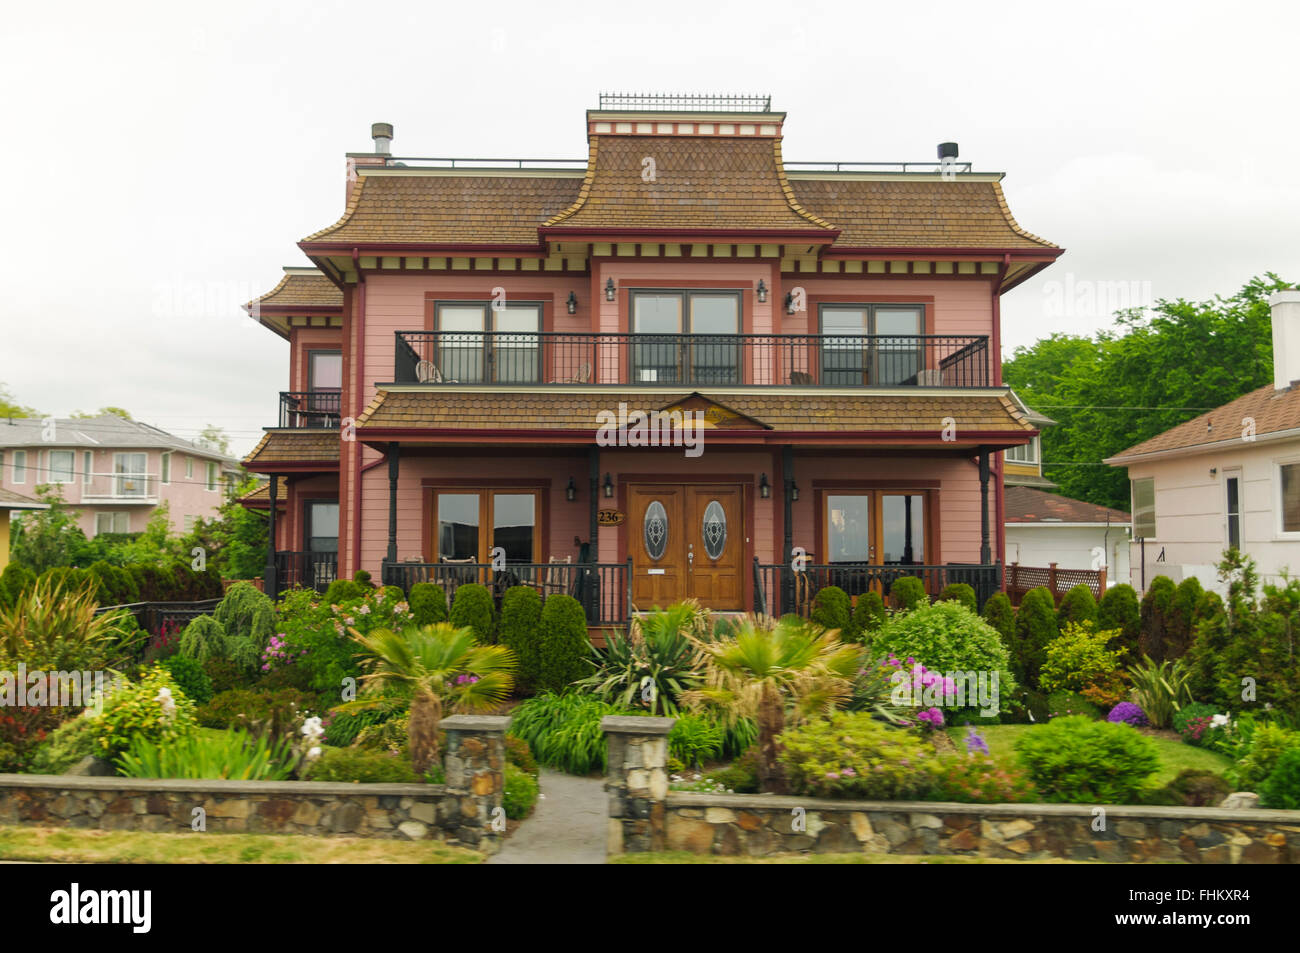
<point x="794" y="492"/>
<point x="609" y="289"/>
<point x="764" y="488"/>
<point x="1214" y="472"/>
<point x="762" y="291"/>
<point x="571" y="491"/>
<point x="609" y="487"/>
<point x="572" y="303"/>
<point x="789" y="302"/>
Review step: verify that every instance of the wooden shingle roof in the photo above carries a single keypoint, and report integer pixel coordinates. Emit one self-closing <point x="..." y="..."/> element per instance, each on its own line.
<point x="301" y="289"/>
<point x="294" y="447"/>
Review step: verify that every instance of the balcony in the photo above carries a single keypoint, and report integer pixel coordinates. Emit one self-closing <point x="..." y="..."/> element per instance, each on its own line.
<point x="692" y="360"/>
<point x="141" y="488"/>
<point x="310" y="409"/>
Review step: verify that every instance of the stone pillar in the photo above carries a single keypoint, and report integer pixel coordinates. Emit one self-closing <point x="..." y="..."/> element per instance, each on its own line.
<point x="474" y="762"/>
<point x="637" y="782"/>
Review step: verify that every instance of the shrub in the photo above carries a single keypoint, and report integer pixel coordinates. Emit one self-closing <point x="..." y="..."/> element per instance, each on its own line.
<point x="742" y="776"/>
<point x="320" y="629"/>
<point x="650" y="667"/>
<point x="362" y="578"/>
<point x="999" y="614"/>
<point x="343" y="728"/>
<point x="358" y="764"/>
<point x="1068" y="704"/>
<point x="1182" y="617"/>
<point x="1077" y="606"/>
<point x="831" y="609"/>
<point x="868" y="616"/>
<point x="851" y="755"/>
<point x="960" y="592"/>
<point x="275" y="713"/>
<point x="429" y="603"/>
<point x="948" y="638"/>
<point x="1118" y="609"/>
<point x="908" y="592"/>
<point x="519" y="794"/>
<point x="1161" y="689"/>
<point x="54" y="628"/>
<point x="191" y="678"/>
<point x="343" y="590"/>
<point x="247" y="613"/>
<point x="15" y="580"/>
<point x="1281" y="789"/>
<point x="1190" y="712"/>
<point x="66" y="746"/>
<point x="1035" y="629"/>
<point x="393" y="736"/>
<point x="204" y="639"/>
<point x="520" y="755"/>
<point x="472" y="607"/>
<point x="1191" y="788"/>
<point x="140" y="710"/>
<point x="978" y="779"/>
<point x="1209" y="647"/>
<point x="232" y="755"/>
<point x="1076" y="760"/>
<point x="1156" y="604"/>
<point x="1129" y="714"/>
<point x="738" y="737"/>
<point x="1079" y="661"/>
<point x="563" y="644"/>
<point x="695" y="739"/>
<point x="1267" y="745"/>
<point x="563" y="731"/>
<point x="521" y="612"/>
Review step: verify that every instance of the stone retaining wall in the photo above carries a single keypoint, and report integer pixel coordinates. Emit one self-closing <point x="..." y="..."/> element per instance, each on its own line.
<point x="760" y="824"/>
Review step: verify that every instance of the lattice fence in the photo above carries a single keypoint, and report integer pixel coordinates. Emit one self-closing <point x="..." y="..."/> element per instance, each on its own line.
<point x="1020" y="579"/>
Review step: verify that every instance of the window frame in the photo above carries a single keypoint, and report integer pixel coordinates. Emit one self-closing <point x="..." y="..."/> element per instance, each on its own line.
<point x="485" y="496"/>
<point x="876" y="492"/>
<point x="211" y="476"/>
<point x="307" y="505"/>
<point x="88" y="466"/>
<point x="165" y="468"/>
<point x="871" y="354"/>
<point x="70" y="470"/>
<point x="487" y="346"/>
<point x="1133" y="506"/>
<point x="1279" y="500"/>
<point x="189" y="467"/>
<point x="113" y="516"/>
<point x="312" y="354"/>
<point x="686" y="357"/>
<point x="1233" y="473"/>
<point x="20" y="467"/>
<point x="1034" y="449"/>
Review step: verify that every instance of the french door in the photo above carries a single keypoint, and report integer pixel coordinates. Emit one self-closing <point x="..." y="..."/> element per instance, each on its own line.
<point x="687" y="542"/>
<point x="875" y="527"/>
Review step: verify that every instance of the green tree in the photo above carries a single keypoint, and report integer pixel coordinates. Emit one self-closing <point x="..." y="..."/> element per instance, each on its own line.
<point x="44" y="539"/>
<point x="214" y="438"/>
<point x="234" y="541"/>
<point x="102" y="412"/>
<point x="9" y="407"/>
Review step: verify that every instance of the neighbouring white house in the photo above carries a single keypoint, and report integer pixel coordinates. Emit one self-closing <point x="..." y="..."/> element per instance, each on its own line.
<point x="114" y="472"/>
<point x="1043" y="527"/>
<point x="1230" y="477"/>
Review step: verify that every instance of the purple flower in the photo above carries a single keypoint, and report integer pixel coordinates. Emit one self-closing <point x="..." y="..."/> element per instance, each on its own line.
<point x="1129" y="714"/>
<point x="975" y="743"/>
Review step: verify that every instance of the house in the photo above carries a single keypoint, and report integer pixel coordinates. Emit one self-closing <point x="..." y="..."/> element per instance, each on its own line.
<point x="112" y="471"/>
<point x="1230" y="477"/>
<point x="13" y="502"/>
<point x="681" y="367"/>
<point x="1045" y="529"/>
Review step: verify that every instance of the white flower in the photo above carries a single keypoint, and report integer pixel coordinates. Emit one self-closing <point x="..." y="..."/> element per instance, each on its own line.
<point x="311" y="728"/>
<point x="164" y="698"/>
<point x="1219" y="721"/>
<point x="314" y="753"/>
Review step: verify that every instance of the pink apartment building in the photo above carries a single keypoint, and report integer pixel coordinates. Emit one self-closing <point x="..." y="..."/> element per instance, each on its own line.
<point x="469" y="324"/>
<point x="114" y="472"/>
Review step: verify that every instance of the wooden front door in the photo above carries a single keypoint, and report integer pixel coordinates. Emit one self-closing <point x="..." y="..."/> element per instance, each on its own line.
<point x="686" y="541"/>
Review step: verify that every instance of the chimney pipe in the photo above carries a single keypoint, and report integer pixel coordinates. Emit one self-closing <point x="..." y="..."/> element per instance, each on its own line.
<point x="1284" y="307"/>
<point x="382" y="133"/>
<point x="947" y="150"/>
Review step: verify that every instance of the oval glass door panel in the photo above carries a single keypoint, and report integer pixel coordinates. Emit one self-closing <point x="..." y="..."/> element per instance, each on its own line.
<point x="656" y="530"/>
<point x="715" y="529"/>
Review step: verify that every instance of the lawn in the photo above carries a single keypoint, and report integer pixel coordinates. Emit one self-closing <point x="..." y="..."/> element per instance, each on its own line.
<point x="681" y="857"/>
<point x="64" y="845"/>
<point x="1174" y="755"/>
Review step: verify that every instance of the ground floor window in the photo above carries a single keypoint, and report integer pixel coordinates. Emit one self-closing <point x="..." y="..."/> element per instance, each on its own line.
<point x="321" y="526"/>
<point x="877" y="527"/>
<point x="112" y="523"/>
<point x="469" y="524"/>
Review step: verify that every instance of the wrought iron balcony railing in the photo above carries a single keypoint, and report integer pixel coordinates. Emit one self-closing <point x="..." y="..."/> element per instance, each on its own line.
<point x="715" y="360"/>
<point x="310" y="409"/>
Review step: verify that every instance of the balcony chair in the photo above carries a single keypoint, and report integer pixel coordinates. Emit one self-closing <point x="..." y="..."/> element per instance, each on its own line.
<point x="800" y="377"/>
<point x="426" y="372"/>
<point x="554" y="582"/>
<point x="582" y="377"/>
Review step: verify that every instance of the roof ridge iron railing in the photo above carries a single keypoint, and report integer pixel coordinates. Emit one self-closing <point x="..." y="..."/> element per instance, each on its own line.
<point x="566" y="165"/>
<point x="705" y="102"/>
<point x="447" y="162"/>
<point x="802" y="166"/>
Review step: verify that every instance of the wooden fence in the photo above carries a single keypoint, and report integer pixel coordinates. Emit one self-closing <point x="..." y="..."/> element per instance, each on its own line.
<point x="1020" y="579"/>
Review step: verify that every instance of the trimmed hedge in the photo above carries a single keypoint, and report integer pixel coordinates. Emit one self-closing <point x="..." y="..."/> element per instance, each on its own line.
<point x="1118" y="609"/>
<point x="960" y="592"/>
<point x="832" y="610"/>
<point x="1078" y="606"/>
<point x="868" y="616"/>
<point x="908" y="592"/>
<point x="563" y="641"/>
<point x="521" y="613"/>
<point x="1035" y="628"/>
<point x="472" y="607"/>
<point x="428" y="601"/>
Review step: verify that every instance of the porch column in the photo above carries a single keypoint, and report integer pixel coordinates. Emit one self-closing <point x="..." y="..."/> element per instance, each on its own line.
<point x="268" y="577"/>
<point x="394" y="458"/>
<point x="787" y="546"/>
<point x="986" y="551"/>
<point x="593" y="501"/>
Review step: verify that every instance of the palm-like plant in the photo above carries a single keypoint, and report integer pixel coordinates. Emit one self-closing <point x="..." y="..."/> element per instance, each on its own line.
<point x="442" y="667"/>
<point x="52" y="625"/>
<point x="774" y="672"/>
<point x="655" y="663"/>
<point x="1160" y="688"/>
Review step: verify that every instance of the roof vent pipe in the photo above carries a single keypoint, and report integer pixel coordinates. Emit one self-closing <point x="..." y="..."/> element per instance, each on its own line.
<point x="947" y="150"/>
<point x="382" y="133"/>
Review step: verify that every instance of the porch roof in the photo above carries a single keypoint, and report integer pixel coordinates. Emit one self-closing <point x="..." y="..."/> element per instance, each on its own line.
<point x="773" y="415"/>
<point x="297" y="449"/>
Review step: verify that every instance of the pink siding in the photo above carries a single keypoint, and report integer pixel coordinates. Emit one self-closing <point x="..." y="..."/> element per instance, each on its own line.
<point x="961" y="306"/>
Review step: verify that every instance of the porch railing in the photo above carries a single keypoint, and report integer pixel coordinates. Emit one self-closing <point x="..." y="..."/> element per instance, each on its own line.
<point x="603" y="589"/>
<point x="310" y="409"/>
<point x="676" y="360"/>
<point x="307" y="570"/>
<point x="779" y="589"/>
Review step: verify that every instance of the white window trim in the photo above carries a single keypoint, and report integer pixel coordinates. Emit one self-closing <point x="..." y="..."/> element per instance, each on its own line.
<point x="49" y="467"/>
<point x="189" y="468"/>
<point x="1033" y="449"/>
<point x="211" y="477"/>
<point x="1234" y="473"/>
<point x="20" y="467"/>
<point x="1279" y="534"/>
<point x="112" y="515"/>
<point x="87" y="464"/>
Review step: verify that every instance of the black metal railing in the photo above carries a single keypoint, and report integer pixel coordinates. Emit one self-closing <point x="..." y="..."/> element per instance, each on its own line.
<point x="779" y="589"/>
<point x="305" y="570"/>
<point x="779" y="360"/>
<point x="602" y="588"/>
<point x="165" y="618"/>
<point x="310" y="409"/>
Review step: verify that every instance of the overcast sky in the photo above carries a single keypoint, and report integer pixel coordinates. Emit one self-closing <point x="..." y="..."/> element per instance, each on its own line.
<point x="161" y="160"/>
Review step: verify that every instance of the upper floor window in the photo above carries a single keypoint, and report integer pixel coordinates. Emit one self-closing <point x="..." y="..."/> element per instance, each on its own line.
<point x="62" y="466"/>
<point x="871" y="344"/>
<point x="166" y="468"/>
<point x="483" y="342"/>
<point x="1144" y="508"/>
<point x="210" y="481"/>
<point x="87" y="465"/>
<point x="686" y="337"/>
<point x="20" y="466"/>
<point x="1028" y="454"/>
<point x="324" y="370"/>
<point x="189" y="468"/>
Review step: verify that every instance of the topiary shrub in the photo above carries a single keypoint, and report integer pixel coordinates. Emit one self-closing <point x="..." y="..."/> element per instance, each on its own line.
<point x="519" y="794"/>
<point x="472" y="607"/>
<point x="999" y="614"/>
<point x="1191" y="788"/>
<point x="247" y="613"/>
<point x="563" y="643"/>
<point x="831" y="609"/>
<point x="960" y="592"/>
<point x="908" y="592"/>
<point x="362" y="578"/>
<point x="203" y="639"/>
<point x="1077" y="606"/>
<point x="1077" y="760"/>
<point x="868" y="616"/>
<point x="1281" y="789"/>
<point x="518" y="630"/>
<point x="343" y="590"/>
<point x="1035" y="629"/>
<point x="361" y="765"/>
<point x="190" y="676"/>
<point x="1156" y="604"/>
<point x="429" y="603"/>
<point x="1118" y="609"/>
<point x="851" y="755"/>
<point x="1180" y="624"/>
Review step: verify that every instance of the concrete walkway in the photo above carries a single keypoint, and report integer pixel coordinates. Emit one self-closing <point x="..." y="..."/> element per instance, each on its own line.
<point x="567" y="827"/>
